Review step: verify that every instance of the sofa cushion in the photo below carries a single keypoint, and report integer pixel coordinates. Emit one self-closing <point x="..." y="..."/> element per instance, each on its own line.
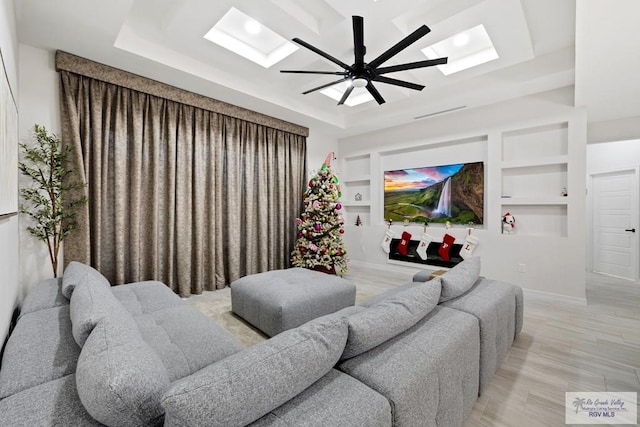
<point x="90" y="302"/>
<point x="336" y="399"/>
<point x="40" y="349"/>
<point x="46" y="294"/>
<point x="493" y="303"/>
<point x="460" y="278"/>
<point x="120" y="379"/>
<point x="76" y="273"/>
<point x="247" y="385"/>
<point x="429" y="373"/>
<point x="54" y="403"/>
<point x="145" y="297"/>
<point x="390" y="317"/>
<point x="185" y="339"/>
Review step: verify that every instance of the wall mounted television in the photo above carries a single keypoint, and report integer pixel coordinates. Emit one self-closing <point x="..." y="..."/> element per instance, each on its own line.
<point x="443" y="193"/>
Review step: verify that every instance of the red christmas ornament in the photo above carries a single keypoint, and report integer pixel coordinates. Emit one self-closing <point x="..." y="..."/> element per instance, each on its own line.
<point x="342" y="231"/>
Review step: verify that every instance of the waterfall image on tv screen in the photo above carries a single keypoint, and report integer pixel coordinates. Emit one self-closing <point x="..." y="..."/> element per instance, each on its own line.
<point x="435" y="194"/>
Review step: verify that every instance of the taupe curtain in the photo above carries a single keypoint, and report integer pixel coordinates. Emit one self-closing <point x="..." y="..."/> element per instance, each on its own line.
<point x="177" y="193"/>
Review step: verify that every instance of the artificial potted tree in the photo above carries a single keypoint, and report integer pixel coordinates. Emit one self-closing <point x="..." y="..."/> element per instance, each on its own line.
<point x="46" y="200"/>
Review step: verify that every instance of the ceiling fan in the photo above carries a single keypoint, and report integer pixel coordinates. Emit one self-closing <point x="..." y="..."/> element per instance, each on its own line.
<point x="362" y="74"/>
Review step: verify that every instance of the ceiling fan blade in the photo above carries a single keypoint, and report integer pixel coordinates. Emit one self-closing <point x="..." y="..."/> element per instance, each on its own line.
<point x="321" y="53"/>
<point x="376" y="95"/>
<point x="337" y="73"/>
<point x="396" y="82"/>
<point x="345" y="95"/>
<point x="411" y="65"/>
<point x="401" y="45"/>
<point x="323" y="86"/>
<point x="359" y="49"/>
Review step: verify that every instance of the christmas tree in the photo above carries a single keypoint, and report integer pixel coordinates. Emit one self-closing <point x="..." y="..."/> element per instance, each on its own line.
<point x="320" y="227"/>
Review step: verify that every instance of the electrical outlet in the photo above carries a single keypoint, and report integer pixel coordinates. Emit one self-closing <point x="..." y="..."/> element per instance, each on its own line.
<point x="522" y="268"/>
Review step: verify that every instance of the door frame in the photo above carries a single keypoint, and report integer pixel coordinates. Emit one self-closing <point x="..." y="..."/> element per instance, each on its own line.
<point x="590" y="202"/>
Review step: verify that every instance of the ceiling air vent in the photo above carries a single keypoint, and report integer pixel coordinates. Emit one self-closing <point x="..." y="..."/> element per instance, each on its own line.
<point x="448" y="110"/>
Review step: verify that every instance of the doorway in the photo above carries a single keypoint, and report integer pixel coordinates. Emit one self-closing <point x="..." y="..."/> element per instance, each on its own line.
<point x="614" y="207"/>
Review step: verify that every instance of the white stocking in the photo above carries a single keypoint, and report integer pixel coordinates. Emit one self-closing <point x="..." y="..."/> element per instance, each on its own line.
<point x="469" y="246"/>
<point x="386" y="242"/>
<point x="424" y="245"/>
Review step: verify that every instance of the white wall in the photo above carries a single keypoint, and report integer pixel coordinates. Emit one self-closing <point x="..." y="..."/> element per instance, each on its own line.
<point x="318" y="146"/>
<point x="9" y="244"/>
<point x="611" y="156"/>
<point x="554" y="265"/>
<point x="39" y="101"/>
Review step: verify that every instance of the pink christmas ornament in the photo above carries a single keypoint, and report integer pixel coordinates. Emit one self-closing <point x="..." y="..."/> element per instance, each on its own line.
<point x="298" y="221"/>
<point x="338" y="206"/>
<point x="316" y="204"/>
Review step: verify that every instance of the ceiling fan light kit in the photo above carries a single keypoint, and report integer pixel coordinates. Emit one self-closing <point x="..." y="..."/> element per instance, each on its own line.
<point x="361" y="74"/>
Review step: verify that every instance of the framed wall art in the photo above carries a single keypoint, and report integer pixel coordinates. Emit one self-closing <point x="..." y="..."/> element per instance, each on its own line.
<point x="8" y="147"/>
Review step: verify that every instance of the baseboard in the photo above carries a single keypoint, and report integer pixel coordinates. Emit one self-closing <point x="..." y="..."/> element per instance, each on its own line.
<point x="581" y="301"/>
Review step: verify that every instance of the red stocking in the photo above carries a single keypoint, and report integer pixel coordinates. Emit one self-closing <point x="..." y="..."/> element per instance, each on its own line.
<point x="403" y="246"/>
<point x="445" y="247"/>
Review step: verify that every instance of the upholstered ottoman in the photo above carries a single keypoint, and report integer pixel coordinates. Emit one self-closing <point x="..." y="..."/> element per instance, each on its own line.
<point x="278" y="300"/>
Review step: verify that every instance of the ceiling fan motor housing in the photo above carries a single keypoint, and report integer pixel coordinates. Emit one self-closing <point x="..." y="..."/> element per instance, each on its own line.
<point x="361" y="74"/>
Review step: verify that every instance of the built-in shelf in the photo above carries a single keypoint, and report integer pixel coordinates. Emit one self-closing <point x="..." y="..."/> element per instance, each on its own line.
<point x="356" y="181"/>
<point x="540" y="161"/>
<point x="534" y="201"/>
<point x="350" y="179"/>
<point x="534" y="173"/>
<point x="351" y="204"/>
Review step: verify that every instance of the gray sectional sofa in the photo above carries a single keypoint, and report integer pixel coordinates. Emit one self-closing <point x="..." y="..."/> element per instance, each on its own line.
<point x="86" y="353"/>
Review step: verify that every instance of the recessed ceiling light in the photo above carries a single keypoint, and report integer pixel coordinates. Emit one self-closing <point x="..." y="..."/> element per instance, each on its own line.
<point x="467" y="49"/>
<point x="357" y="97"/>
<point x="244" y="36"/>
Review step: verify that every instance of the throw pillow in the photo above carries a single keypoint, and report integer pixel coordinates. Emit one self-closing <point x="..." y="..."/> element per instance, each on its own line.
<point x="390" y="317"/>
<point x="247" y="385"/>
<point x="76" y="273"/>
<point x="119" y="379"/>
<point x="460" y="278"/>
<point x="89" y="304"/>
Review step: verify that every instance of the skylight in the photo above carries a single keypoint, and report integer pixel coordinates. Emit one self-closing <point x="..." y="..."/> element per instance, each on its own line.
<point x="245" y="36"/>
<point x="357" y="97"/>
<point x="465" y="50"/>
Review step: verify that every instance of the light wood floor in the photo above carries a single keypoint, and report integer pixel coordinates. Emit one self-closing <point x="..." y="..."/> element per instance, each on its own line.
<point x="565" y="345"/>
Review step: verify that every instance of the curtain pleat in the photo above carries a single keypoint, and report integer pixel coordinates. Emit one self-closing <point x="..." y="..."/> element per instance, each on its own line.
<point x="179" y="194"/>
